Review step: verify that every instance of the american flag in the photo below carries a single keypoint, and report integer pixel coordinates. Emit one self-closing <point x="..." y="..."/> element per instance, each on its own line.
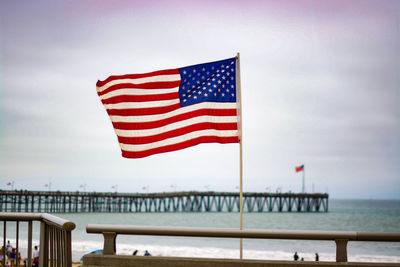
<point x="172" y="109"/>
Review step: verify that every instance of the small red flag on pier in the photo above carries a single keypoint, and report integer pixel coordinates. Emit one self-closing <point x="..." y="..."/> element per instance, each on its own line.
<point x="300" y="168"/>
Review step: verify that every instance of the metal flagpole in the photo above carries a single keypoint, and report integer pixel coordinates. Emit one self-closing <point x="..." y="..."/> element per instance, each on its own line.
<point x="239" y="96"/>
<point x="304" y="173"/>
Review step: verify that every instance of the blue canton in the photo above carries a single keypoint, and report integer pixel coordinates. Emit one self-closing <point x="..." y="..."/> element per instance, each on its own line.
<point x="209" y="82"/>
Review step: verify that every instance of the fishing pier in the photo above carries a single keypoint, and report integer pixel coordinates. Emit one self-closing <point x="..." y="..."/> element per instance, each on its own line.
<point x="65" y="202"/>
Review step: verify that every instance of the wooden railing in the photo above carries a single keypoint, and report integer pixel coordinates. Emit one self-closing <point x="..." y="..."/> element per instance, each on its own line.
<point x="341" y="238"/>
<point x="55" y="238"/>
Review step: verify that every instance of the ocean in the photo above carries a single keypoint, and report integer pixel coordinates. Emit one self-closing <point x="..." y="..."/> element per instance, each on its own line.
<point x="343" y="215"/>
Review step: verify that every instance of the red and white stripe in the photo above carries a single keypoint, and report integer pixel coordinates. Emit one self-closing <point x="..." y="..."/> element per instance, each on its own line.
<point x="148" y="118"/>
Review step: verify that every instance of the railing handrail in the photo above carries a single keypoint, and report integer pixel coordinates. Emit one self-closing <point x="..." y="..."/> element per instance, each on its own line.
<point x="246" y="233"/>
<point x="341" y="238"/>
<point x="20" y="216"/>
<point x="58" y="222"/>
<point x="48" y="218"/>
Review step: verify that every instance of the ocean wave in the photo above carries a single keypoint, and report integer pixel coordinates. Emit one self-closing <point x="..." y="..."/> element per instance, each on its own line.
<point x="214" y="252"/>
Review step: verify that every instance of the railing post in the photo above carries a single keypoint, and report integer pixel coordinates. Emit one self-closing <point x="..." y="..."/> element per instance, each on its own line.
<point x="109" y="243"/>
<point x="4" y="242"/>
<point x="30" y="244"/>
<point x="44" y="245"/>
<point x="68" y="248"/>
<point x="341" y="250"/>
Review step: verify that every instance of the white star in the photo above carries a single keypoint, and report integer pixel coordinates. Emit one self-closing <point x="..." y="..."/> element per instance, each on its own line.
<point x="210" y="90"/>
<point x="223" y="94"/>
<point x="203" y="69"/>
<point x="232" y="86"/>
<point x="195" y="97"/>
<point x="222" y="66"/>
<point x="190" y="75"/>
<point x="233" y="94"/>
<point x="199" y="93"/>
<point x="184" y="100"/>
<point x="215" y="86"/>
<point x="184" y="72"/>
<point x="223" y="77"/>
<point x="219" y="81"/>
<point x="227" y="90"/>
<point x="194" y="70"/>
<point x="205" y="94"/>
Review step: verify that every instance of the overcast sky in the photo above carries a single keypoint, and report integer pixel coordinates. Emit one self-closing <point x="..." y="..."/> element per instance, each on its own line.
<point x="320" y="87"/>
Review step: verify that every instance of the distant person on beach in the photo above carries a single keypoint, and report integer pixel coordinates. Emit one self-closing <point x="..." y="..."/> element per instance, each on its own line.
<point x="296" y="257"/>
<point x="135" y="253"/>
<point x="36" y="257"/>
<point x="147" y="253"/>
<point x="1" y="255"/>
<point x="13" y="256"/>
<point x="9" y="248"/>
<point x="316" y="257"/>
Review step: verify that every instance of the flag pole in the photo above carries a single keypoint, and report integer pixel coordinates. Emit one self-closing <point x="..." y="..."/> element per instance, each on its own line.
<point x="239" y="96"/>
<point x="304" y="173"/>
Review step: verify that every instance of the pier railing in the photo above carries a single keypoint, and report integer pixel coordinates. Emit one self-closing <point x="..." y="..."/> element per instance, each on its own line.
<point x="55" y="238"/>
<point x="341" y="238"/>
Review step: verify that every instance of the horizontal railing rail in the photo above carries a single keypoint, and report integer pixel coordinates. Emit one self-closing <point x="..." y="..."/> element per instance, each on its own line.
<point x="341" y="238"/>
<point x="55" y="238"/>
